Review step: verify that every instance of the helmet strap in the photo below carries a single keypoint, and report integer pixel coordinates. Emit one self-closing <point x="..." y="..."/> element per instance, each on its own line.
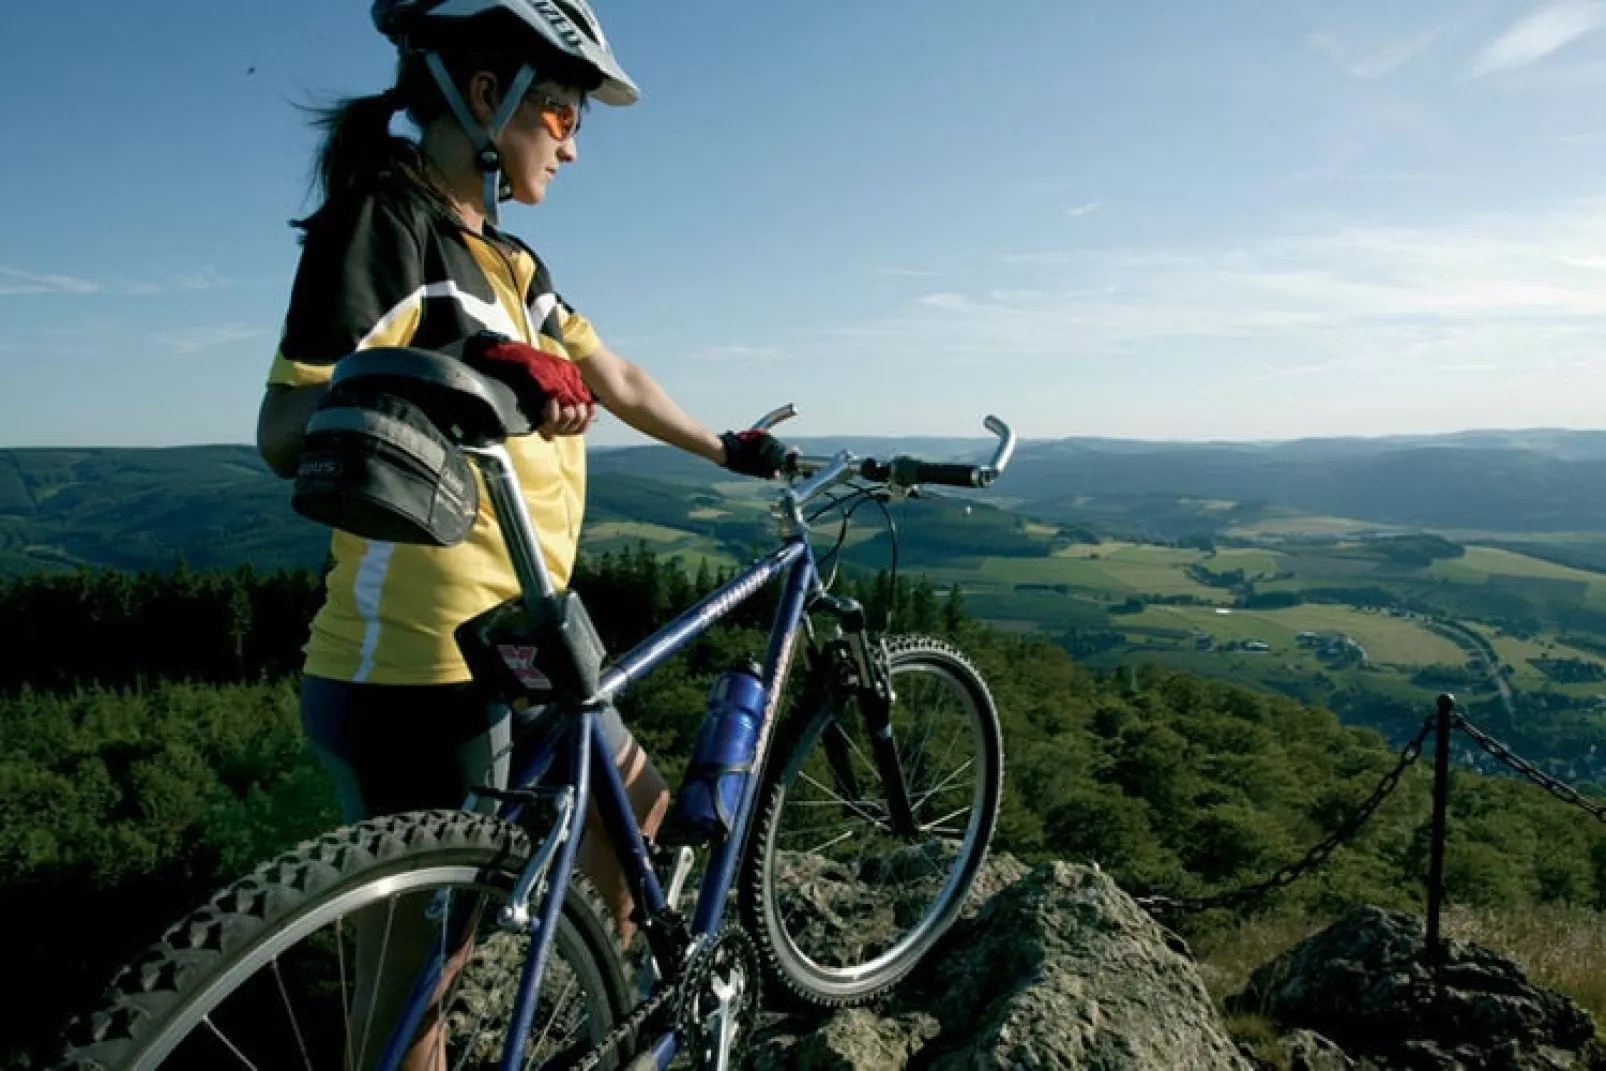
<point x="486" y="155"/>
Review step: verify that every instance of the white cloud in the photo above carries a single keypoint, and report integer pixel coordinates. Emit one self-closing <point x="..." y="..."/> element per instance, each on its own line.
<point x="15" y="281"/>
<point x="1084" y="209"/>
<point x="1378" y="62"/>
<point x="1523" y="294"/>
<point x="738" y="354"/>
<point x="1538" y="34"/>
<point x="205" y="279"/>
<point x="208" y="336"/>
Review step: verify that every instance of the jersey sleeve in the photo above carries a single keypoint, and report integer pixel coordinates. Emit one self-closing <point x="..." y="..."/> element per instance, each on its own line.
<point x="359" y="284"/>
<point x="579" y="336"/>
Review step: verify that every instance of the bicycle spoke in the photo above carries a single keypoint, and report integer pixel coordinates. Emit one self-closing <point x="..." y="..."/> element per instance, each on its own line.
<point x="931" y="727"/>
<point x="479" y="1030"/>
<point x="969" y="763"/>
<point x="229" y="1044"/>
<point x="284" y="994"/>
<point x="849" y="804"/>
<point x="379" y="972"/>
<point x="852" y="744"/>
<point x="833" y="842"/>
<point x="945" y="818"/>
<point x="345" y="994"/>
<point x="547" y="1029"/>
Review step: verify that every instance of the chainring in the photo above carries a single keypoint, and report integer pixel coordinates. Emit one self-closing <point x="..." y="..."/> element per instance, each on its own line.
<point x="725" y="969"/>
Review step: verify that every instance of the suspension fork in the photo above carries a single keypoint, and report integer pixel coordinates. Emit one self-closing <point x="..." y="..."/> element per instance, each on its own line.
<point x="871" y="682"/>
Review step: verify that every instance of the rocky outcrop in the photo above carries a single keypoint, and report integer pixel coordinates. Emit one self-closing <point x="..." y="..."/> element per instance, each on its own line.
<point x="1058" y="968"/>
<point x="1363" y="983"/>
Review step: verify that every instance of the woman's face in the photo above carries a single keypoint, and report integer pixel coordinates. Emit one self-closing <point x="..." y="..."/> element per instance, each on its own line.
<point x="539" y="139"/>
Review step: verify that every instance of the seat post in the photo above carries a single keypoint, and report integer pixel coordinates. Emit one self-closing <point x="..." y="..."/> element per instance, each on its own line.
<point x="513" y="516"/>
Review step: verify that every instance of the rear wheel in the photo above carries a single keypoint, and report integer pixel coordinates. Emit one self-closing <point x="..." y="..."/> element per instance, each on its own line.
<point x="265" y="975"/>
<point x="842" y="906"/>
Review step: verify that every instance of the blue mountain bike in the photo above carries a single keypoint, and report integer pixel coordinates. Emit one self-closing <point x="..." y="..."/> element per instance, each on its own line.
<point x="848" y="806"/>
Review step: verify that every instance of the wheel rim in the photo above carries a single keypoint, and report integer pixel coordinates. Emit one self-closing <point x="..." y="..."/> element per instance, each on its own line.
<point x="942" y="749"/>
<point x="301" y="1023"/>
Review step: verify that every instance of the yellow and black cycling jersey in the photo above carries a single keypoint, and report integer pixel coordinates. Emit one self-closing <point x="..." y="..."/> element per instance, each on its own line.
<point x="390" y="265"/>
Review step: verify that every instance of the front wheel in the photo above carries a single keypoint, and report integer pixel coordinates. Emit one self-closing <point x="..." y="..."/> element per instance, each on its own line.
<point x="275" y="972"/>
<point x="842" y="905"/>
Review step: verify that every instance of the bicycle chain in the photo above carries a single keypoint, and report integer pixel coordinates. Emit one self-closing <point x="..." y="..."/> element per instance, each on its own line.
<point x="1312" y="859"/>
<point x="633" y="1025"/>
<point x="697" y="972"/>
<point x="1503" y="754"/>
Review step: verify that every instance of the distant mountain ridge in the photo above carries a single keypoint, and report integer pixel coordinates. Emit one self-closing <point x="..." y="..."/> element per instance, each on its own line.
<point x="219" y="505"/>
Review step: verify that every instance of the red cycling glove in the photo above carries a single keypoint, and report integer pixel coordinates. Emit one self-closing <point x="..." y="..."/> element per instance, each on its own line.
<point x="535" y="375"/>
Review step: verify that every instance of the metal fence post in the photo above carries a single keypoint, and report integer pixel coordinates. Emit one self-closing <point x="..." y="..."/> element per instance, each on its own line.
<point x="1441" y="799"/>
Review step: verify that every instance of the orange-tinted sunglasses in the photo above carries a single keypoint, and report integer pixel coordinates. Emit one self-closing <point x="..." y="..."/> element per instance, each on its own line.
<point x="561" y="117"/>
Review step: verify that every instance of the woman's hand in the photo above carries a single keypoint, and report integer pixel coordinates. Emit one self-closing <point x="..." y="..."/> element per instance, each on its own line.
<point x="558" y="419"/>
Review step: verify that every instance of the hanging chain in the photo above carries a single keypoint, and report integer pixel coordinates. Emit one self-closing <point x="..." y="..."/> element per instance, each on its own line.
<point x="1501" y="753"/>
<point x="1312" y="859"/>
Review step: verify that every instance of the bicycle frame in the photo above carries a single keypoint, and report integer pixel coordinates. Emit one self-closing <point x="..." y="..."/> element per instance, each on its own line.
<point x="587" y="757"/>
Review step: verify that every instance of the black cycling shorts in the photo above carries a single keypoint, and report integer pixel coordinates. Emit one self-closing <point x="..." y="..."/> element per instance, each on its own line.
<point x="405" y="747"/>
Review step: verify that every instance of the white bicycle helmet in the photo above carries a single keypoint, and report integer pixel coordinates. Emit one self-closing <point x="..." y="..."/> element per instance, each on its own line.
<point x="570" y="27"/>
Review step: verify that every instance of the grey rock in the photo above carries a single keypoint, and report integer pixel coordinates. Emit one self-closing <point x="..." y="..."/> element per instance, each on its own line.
<point x="1063" y="969"/>
<point x="1054" y="967"/>
<point x="1363" y="983"/>
<point x="851" y="1040"/>
<point x="1309" y="1051"/>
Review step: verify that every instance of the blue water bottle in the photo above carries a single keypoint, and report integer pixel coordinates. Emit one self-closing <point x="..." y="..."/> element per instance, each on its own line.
<point x="711" y="791"/>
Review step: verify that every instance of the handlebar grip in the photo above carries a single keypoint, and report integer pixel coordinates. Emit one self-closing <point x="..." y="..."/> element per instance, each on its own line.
<point x="949" y="475"/>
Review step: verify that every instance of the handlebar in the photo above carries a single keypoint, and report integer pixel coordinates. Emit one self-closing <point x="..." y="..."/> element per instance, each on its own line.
<point x="901" y="471"/>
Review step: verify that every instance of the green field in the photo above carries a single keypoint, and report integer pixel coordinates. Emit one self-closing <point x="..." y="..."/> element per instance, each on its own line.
<point x="1488" y="565"/>
<point x="1388" y="640"/>
<point x="1519" y="653"/>
<point x="688" y="549"/>
<point x="1301" y="526"/>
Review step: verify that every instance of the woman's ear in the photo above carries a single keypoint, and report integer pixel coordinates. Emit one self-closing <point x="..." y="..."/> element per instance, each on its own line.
<point x="484" y="96"/>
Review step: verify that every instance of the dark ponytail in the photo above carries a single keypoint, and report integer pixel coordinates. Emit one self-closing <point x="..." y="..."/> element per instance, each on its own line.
<point x="357" y="145"/>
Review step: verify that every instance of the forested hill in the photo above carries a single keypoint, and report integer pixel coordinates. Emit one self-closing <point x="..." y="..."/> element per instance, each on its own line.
<point x="149" y="749"/>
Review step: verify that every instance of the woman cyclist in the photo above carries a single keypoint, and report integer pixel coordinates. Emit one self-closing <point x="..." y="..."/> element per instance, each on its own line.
<point x="405" y="251"/>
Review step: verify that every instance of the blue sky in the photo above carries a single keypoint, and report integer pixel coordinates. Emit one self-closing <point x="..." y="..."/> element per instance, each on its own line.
<point x="1247" y="219"/>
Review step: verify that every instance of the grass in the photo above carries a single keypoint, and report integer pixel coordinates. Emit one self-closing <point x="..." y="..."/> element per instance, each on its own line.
<point x="1562" y="948"/>
<point x="1228" y="957"/>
